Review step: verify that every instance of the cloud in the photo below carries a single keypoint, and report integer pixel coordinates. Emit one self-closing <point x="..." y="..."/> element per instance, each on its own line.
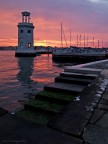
<point x="99" y="1"/>
<point x="82" y="16"/>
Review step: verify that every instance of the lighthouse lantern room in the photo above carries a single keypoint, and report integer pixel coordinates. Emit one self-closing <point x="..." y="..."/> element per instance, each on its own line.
<point x="25" y="37"/>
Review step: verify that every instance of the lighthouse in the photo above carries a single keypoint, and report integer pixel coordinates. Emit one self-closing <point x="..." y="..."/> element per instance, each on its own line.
<point x="25" y="37"/>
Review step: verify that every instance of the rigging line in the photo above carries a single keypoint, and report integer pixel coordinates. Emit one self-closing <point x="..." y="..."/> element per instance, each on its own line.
<point x="77" y="40"/>
<point x="65" y="38"/>
<point x="70" y="38"/>
<point x="61" y="37"/>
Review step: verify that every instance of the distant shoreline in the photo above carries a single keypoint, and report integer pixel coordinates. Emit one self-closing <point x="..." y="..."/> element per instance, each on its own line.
<point x="7" y="48"/>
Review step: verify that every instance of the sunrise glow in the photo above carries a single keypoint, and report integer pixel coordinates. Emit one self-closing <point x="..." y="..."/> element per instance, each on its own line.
<point x="83" y="17"/>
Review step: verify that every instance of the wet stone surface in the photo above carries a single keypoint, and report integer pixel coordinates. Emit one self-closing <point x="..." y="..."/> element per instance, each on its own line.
<point x="103" y="122"/>
<point x="72" y="122"/>
<point x="78" y="113"/>
<point x="105" y="95"/>
<point x="3" y="112"/>
<point x="95" y="135"/>
<point x="16" y="130"/>
<point x="83" y="70"/>
<point x="103" y="101"/>
<point x="65" y="87"/>
<point x="103" y="106"/>
<point x="97" y="115"/>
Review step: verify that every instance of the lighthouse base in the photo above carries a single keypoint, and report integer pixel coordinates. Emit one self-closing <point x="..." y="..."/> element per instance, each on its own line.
<point x="19" y="54"/>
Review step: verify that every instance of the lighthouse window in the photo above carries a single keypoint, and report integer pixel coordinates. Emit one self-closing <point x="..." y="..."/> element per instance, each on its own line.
<point x="21" y="31"/>
<point x="29" y="31"/>
<point x="29" y="45"/>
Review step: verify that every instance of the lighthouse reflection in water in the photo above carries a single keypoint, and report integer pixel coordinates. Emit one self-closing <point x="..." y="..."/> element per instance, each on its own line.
<point x="22" y="78"/>
<point x="26" y="70"/>
<point x="26" y="65"/>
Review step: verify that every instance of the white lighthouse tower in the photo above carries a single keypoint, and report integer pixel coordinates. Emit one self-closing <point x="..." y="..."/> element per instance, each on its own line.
<point x="25" y="37"/>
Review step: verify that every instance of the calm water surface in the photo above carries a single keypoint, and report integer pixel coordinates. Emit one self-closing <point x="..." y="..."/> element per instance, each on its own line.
<point x="22" y="78"/>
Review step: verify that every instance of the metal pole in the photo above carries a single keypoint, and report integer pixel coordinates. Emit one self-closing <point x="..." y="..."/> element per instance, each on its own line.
<point x="70" y="37"/>
<point x="93" y="42"/>
<point x="87" y="41"/>
<point x="77" y="40"/>
<point x="98" y="43"/>
<point x="84" y="41"/>
<point x="80" y="40"/>
<point x="61" y="36"/>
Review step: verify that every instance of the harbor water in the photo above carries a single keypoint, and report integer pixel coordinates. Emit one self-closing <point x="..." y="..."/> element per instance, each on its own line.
<point x="21" y="78"/>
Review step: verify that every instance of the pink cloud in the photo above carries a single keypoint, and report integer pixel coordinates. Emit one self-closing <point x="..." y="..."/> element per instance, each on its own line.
<point x="83" y="17"/>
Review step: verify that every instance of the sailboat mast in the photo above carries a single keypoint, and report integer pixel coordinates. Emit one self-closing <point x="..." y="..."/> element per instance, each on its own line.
<point x="84" y="41"/>
<point x="87" y="41"/>
<point x="70" y="37"/>
<point x="98" y="43"/>
<point x="93" y="42"/>
<point x="77" y="40"/>
<point x="80" y="40"/>
<point x="61" y="37"/>
<point x="106" y="44"/>
<point x="102" y="43"/>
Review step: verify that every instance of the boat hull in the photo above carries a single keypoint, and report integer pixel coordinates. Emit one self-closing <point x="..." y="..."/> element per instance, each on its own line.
<point x="78" y="58"/>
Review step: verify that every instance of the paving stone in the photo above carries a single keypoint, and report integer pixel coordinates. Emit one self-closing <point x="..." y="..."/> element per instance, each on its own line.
<point x="102" y="64"/>
<point x="103" y="106"/>
<point x="105" y="95"/>
<point x="95" y="135"/>
<point x="88" y="97"/>
<point x="97" y="115"/>
<point x="72" y="122"/>
<point x="14" y="130"/>
<point x="103" y="101"/>
<point x="103" y="122"/>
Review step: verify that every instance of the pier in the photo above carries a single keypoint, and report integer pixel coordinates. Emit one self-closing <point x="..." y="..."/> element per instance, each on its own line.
<point x="71" y="110"/>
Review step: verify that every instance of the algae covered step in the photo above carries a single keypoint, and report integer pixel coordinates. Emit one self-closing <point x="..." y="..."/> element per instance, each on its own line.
<point x="57" y="97"/>
<point x="43" y="106"/>
<point x="73" y="80"/>
<point x="66" y="88"/>
<point x="38" y="118"/>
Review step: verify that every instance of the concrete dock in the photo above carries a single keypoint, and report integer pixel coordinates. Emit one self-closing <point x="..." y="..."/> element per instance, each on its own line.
<point x="83" y="121"/>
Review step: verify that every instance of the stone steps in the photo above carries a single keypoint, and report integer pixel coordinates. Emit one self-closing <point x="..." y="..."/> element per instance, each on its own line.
<point x="79" y="75"/>
<point x="43" y="106"/>
<point x="65" y="79"/>
<point x="60" y="98"/>
<point x="56" y="96"/>
<point x="63" y="87"/>
<point x="83" y="70"/>
<point x="41" y="119"/>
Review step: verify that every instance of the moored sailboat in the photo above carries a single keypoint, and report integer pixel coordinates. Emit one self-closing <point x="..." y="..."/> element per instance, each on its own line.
<point x="78" y="54"/>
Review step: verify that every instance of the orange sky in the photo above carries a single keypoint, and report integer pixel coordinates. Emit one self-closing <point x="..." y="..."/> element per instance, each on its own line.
<point x="85" y="17"/>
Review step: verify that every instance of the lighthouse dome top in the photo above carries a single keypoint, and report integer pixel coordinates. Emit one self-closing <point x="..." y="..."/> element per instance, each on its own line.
<point x="26" y="13"/>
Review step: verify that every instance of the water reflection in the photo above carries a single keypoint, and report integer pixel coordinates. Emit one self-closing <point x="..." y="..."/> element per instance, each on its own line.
<point x="25" y="65"/>
<point x="22" y="78"/>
